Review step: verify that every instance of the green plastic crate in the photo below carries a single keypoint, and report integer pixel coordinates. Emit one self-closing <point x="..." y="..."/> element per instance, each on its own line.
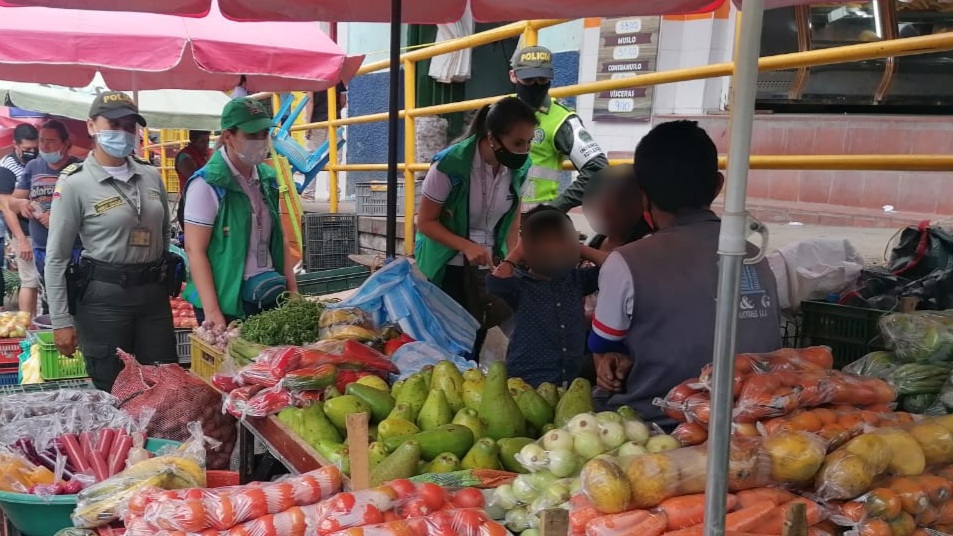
<point x="850" y="332"/>
<point x="331" y="281"/>
<point x="53" y="365"/>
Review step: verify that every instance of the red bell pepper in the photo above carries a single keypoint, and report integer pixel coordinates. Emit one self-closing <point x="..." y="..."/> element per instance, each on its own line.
<point x="351" y="355"/>
<point x="347" y="377"/>
<point x="391" y="346"/>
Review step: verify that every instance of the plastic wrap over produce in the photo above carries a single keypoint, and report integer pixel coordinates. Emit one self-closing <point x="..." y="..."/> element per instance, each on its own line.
<point x="106" y="501"/>
<point x="400" y="294"/>
<point x="919" y="336"/>
<point x="414" y="356"/>
<point x="307" y="506"/>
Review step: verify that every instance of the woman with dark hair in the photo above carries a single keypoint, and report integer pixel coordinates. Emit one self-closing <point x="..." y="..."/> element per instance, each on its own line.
<point x="470" y="210"/>
<point x="231" y="220"/>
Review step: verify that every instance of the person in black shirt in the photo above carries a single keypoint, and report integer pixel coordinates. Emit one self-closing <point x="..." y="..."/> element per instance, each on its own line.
<point x="26" y="142"/>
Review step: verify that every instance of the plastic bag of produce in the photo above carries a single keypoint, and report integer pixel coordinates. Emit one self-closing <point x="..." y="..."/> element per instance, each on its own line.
<point x="24" y="405"/>
<point x="835" y="426"/>
<point x="920" y="378"/>
<point x="414" y="356"/>
<point x="177" y="398"/>
<point x="202" y="509"/>
<point x="19" y="475"/>
<point x="875" y="364"/>
<point x="347" y="323"/>
<point x="855" y="467"/>
<point x="901" y="502"/>
<point x="812" y="358"/>
<point x="106" y="501"/>
<point x="919" y="336"/>
<point x="463" y="522"/>
<point x="783" y="458"/>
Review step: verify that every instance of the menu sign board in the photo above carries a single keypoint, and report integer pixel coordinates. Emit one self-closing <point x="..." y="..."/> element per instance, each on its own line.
<point x="628" y="47"/>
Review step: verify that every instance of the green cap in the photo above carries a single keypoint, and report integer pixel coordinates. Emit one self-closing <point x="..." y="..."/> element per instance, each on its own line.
<point x="246" y="114"/>
<point x="533" y="62"/>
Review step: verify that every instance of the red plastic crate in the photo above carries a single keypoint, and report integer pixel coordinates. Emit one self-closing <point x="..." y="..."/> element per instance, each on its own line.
<point x="10" y="348"/>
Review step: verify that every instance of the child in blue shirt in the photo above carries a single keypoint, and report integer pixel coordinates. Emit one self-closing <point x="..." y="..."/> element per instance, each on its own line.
<point x="541" y="282"/>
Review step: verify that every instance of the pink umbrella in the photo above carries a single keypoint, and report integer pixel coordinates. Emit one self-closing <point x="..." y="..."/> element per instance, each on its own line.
<point x="138" y="51"/>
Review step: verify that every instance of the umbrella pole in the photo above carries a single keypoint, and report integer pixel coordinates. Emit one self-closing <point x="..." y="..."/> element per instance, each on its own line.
<point x="395" y="17"/>
<point x="732" y="248"/>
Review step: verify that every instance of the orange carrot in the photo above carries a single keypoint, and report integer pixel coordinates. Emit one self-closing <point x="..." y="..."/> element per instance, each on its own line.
<point x="753" y="496"/>
<point x="774" y="523"/>
<point x="638" y="522"/>
<point x="688" y="510"/>
<point x="749" y="519"/>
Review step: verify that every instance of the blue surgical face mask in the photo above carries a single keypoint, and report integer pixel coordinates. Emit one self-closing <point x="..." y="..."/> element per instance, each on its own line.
<point x="116" y="143"/>
<point x="52" y="157"/>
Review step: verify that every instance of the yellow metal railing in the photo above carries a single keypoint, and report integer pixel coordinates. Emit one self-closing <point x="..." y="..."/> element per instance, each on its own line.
<point x="529" y="29"/>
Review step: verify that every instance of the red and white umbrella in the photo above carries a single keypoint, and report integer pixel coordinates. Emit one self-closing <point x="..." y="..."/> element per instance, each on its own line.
<point x="140" y="51"/>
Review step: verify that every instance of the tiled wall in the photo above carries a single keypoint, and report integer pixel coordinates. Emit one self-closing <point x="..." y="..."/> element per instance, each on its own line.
<point x="916" y="192"/>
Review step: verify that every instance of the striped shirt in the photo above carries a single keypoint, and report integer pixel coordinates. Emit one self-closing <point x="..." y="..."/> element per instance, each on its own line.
<point x="13" y="163"/>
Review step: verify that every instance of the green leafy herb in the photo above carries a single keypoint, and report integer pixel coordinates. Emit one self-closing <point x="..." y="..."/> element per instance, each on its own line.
<point x="294" y="322"/>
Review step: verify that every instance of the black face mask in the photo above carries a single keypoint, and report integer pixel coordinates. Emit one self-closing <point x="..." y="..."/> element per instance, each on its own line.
<point x="509" y="159"/>
<point x="534" y="96"/>
<point x="26" y="156"/>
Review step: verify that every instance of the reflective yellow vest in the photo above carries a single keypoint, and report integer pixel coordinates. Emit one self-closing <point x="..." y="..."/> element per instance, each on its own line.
<point x="547" y="160"/>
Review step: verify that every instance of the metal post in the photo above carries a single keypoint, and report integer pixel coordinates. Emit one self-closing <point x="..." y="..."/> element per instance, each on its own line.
<point x="410" y="154"/>
<point x="393" y="117"/>
<point x="731" y="249"/>
<point x="332" y="137"/>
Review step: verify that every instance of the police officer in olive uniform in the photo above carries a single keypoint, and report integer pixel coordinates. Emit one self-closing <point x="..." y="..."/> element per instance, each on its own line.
<point x="117" y="296"/>
<point x="560" y="134"/>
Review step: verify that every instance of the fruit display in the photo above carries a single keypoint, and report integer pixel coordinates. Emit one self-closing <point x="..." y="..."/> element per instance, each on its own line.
<point x="217" y="336"/>
<point x="550" y="466"/>
<point x="183" y="314"/>
<point x="924" y="387"/>
<point x="438" y="420"/>
<point x="294" y="322"/>
<point x="14" y="325"/>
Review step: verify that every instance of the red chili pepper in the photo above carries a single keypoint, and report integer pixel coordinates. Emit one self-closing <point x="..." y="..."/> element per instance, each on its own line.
<point x="405" y="338"/>
<point x="347" y="377"/>
<point x="354" y="355"/>
<point x="268" y="402"/>
<point x="391" y="346"/>
<point x="285" y="361"/>
<point x="257" y="374"/>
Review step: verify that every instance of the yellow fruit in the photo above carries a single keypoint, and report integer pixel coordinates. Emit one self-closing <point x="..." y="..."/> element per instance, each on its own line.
<point x="375" y="382"/>
<point x="606" y="486"/>
<point x="906" y="455"/>
<point x="936" y="442"/>
<point x="945" y="421"/>
<point x="652" y="479"/>
<point x="795" y="456"/>
<point x="872" y="449"/>
<point x="844" y="476"/>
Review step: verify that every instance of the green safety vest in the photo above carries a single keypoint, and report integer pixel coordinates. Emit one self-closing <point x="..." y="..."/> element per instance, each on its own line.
<point x="547" y="160"/>
<point x="456" y="162"/>
<point x="228" y="246"/>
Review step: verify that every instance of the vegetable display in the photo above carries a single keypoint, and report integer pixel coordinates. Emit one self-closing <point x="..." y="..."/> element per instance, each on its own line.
<point x="294" y="322"/>
<point x="14" y="325"/>
<point x="183" y="314"/>
<point x="217" y="336"/>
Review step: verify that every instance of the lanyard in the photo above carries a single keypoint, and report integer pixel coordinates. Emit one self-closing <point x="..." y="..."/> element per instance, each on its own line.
<point x="256" y="198"/>
<point x="138" y="205"/>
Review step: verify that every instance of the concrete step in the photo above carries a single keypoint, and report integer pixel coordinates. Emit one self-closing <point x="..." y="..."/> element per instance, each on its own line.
<point x="774" y="211"/>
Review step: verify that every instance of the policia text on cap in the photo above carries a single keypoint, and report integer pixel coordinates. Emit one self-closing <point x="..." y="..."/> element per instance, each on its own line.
<point x="117" y="295"/>
<point x="560" y="134"/>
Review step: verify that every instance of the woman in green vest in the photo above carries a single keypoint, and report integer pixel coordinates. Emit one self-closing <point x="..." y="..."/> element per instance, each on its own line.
<point x="469" y="212"/>
<point x="233" y="234"/>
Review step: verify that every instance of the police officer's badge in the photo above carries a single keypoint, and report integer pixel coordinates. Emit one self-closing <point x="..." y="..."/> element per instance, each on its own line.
<point x="585" y="136"/>
<point x="539" y="135"/>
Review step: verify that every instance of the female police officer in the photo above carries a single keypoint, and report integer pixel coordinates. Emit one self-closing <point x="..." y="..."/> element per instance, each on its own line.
<point x="118" y="207"/>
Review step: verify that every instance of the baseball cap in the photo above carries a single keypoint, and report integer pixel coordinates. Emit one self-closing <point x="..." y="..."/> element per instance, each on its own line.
<point x="533" y="62"/>
<point x="115" y="105"/>
<point x="246" y="114"/>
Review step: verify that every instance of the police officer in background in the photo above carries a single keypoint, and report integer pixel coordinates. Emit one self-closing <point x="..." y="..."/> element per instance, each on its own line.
<point x="117" y="296"/>
<point x="560" y="134"/>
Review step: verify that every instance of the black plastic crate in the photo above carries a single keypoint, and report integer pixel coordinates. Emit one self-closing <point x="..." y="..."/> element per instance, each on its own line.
<point x="328" y="240"/>
<point x="331" y="281"/>
<point x="851" y="332"/>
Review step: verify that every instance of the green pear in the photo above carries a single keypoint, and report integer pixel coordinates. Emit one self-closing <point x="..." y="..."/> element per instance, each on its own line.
<point x="427" y="373"/>
<point x="536" y="410"/>
<point x="435" y="413"/>
<point x="447" y="378"/>
<point x="402" y="463"/>
<point x="396" y="387"/>
<point x="498" y="409"/>
<point x="471" y="419"/>
<point x="473" y="375"/>
<point x="376" y="452"/>
<point x="402" y="411"/>
<point x="446" y="462"/>
<point x="414" y="394"/>
<point x="549" y="393"/>
<point x="395" y="427"/>
<point x="484" y="454"/>
<point x="473" y="393"/>
<point x="577" y="400"/>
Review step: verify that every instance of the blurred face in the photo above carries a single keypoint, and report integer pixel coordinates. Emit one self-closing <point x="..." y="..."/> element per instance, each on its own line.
<point x="518" y="140"/>
<point x="250" y="148"/>
<point x="553" y="253"/>
<point x="202" y="141"/>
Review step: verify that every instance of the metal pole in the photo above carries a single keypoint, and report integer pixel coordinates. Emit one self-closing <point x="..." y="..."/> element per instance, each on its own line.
<point x="731" y="250"/>
<point x="394" y="112"/>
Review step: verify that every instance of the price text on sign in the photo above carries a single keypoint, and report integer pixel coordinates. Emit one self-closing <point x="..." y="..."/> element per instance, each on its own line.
<point x="628" y="48"/>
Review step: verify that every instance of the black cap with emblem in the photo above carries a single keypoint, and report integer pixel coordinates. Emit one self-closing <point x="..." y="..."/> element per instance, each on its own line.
<point x="115" y="105"/>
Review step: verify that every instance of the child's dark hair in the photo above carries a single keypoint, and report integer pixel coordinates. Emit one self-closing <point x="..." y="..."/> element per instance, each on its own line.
<point x="545" y="220"/>
<point x="500" y="118"/>
<point x="677" y="166"/>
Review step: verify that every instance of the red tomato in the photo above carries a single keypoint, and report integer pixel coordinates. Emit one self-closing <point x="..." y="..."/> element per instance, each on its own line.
<point x="468" y="498"/>
<point x="432" y="495"/>
<point x="403" y="487"/>
<point x="468" y="522"/>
